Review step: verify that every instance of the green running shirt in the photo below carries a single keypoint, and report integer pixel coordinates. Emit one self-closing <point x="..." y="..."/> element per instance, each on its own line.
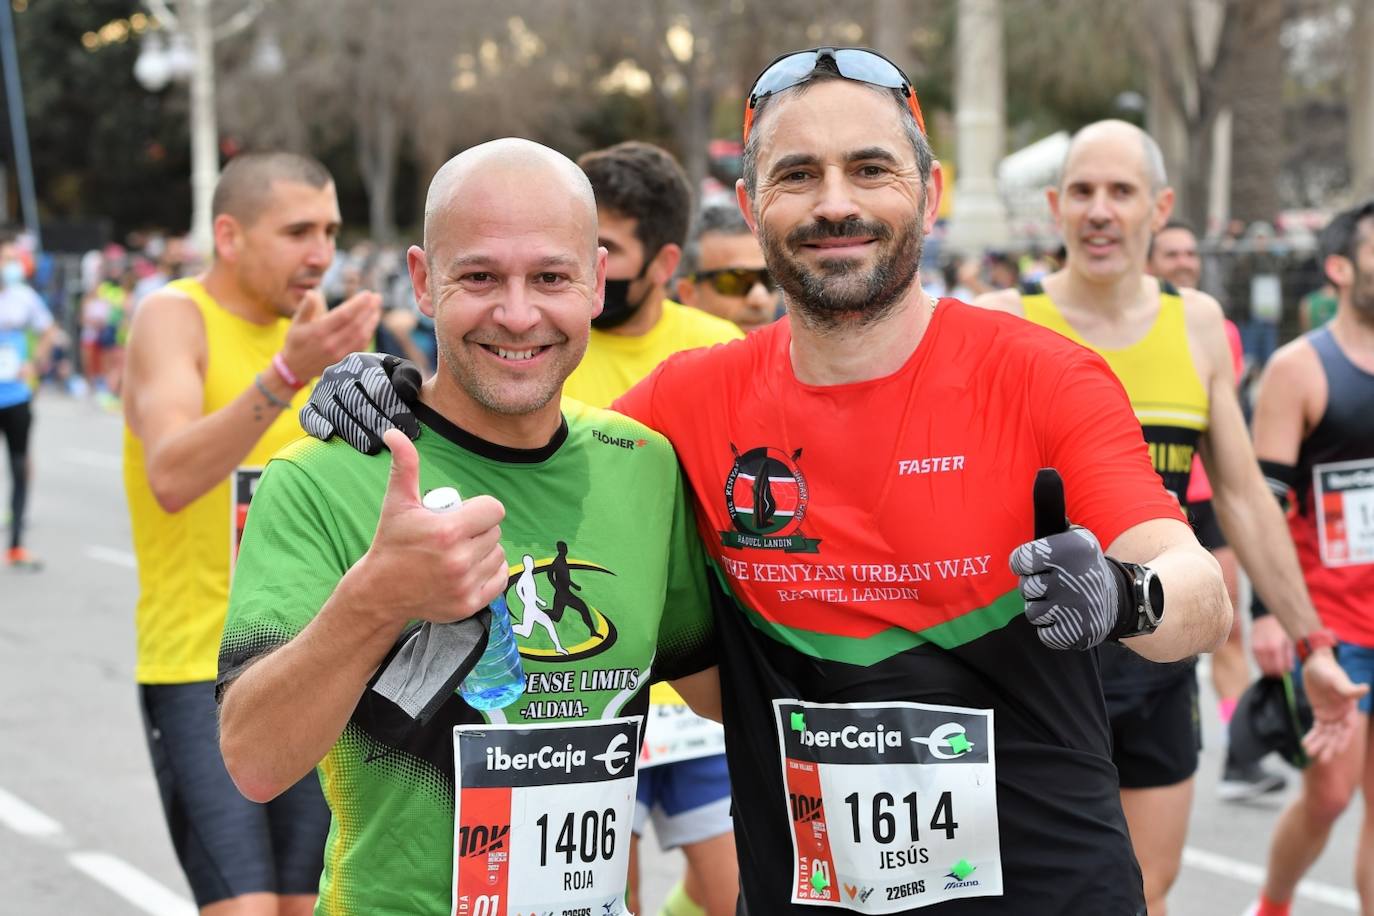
<point x="606" y="486"/>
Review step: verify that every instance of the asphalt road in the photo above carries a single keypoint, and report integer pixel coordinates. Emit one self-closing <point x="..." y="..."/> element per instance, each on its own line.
<point x="81" y="829"/>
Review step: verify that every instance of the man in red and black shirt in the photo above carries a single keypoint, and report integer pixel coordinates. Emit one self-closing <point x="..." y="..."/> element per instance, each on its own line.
<point x="862" y="472"/>
<point x="908" y="725"/>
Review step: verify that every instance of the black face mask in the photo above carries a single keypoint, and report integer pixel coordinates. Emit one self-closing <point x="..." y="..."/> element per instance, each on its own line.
<point x="617" y="308"/>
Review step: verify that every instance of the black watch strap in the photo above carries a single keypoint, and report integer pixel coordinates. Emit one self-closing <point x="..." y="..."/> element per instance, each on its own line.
<point x="1140" y="600"/>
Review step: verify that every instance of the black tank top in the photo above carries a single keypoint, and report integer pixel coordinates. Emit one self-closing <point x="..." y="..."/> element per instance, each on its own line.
<point x="1346" y="429"/>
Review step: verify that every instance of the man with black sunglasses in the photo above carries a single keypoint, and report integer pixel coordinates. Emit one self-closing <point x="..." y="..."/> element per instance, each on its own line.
<point x="912" y="726"/>
<point x="723" y="271"/>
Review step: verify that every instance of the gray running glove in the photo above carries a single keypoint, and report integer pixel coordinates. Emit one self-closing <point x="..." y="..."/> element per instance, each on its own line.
<point x="361" y="397"/>
<point x="1076" y="597"/>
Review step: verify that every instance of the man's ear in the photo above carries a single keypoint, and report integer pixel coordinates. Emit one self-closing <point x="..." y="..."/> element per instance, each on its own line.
<point x="1164" y="208"/>
<point x="663" y="265"/>
<point x="418" y="265"/>
<point x="935" y="189"/>
<point x="686" y="291"/>
<point x="746" y="207"/>
<point x="225" y="235"/>
<point x="1340" y="270"/>
<point x="601" y="255"/>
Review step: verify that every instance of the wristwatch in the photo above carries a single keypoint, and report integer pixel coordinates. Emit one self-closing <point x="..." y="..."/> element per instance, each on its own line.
<point x="1317" y="639"/>
<point x="1146" y="600"/>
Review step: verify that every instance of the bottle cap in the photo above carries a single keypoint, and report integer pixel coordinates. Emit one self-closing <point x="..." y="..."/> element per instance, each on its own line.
<point x="442" y="499"/>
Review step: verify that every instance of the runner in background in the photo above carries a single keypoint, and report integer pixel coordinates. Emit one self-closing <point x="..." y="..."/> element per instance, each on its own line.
<point x="1315" y="438"/>
<point x="219" y="365"/>
<point x="1168" y="349"/>
<point x="723" y="271"/>
<point x="27" y="333"/>
<point x="1174" y="257"/>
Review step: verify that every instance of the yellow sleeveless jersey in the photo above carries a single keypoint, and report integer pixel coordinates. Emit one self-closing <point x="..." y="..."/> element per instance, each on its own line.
<point x="1159" y="376"/>
<point x="184" y="558"/>
<point x="615" y="363"/>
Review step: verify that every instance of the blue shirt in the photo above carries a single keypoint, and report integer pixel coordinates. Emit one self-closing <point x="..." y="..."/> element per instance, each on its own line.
<point x="21" y="311"/>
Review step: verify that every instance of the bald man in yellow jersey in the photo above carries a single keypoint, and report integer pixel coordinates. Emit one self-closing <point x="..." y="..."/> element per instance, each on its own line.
<point x="1168" y="348"/>
<point x="218" y="369"/>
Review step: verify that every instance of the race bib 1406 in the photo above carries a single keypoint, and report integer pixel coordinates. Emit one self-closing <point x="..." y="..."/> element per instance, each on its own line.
<point x="543" y="818"/>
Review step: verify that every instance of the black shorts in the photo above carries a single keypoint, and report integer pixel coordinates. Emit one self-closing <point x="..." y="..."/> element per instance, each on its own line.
<point x="1156" y="735"/>
<point x="227" y="845"/>
<point x="1205" y="526"/>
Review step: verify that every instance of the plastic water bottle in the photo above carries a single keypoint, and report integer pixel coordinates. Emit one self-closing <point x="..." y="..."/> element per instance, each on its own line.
<point x="498" y="678"/>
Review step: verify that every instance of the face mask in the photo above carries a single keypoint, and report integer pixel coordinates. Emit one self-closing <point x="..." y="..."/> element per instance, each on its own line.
<point x="12" y="273"/>
<point x="618" y="309"/>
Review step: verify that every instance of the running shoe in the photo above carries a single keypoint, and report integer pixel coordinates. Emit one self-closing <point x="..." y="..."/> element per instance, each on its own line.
<point x="21" y="558"/>
<point x="1243" y="781"/>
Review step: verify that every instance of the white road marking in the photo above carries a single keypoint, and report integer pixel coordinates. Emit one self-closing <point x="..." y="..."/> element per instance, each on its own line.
<point x="110" y="871"/>
<point x="110" y="555"/>
<point x="133" y="885"/>
<point x="1316" y="891"/>
<point x="26" y="820"/>
<point x="92" y="459"/>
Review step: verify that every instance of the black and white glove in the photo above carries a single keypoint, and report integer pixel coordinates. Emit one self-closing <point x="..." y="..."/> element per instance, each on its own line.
<point x="1076" y="597"/>
<point x="361" y="397"/>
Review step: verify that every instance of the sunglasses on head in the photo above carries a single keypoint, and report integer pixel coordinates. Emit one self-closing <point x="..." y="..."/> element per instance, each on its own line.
<point x="858" y="64"/>
<point x="735" y="281"/>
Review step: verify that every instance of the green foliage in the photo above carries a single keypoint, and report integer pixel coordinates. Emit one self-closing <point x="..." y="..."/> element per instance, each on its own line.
<point x="102" y="146"/>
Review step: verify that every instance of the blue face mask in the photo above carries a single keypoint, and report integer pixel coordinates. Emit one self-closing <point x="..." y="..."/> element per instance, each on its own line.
<point x="12" y="273"/>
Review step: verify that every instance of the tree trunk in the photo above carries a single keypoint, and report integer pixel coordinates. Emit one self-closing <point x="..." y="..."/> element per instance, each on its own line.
<point x="1195" y="48"/>
<point x="694" y="133"/>
<point x="1360" y="100"/>
<point x="1197" y="177"/>
<point x="1256" y="90"/>
<point x="378" y="141"/>
<point x="890" y="32"/>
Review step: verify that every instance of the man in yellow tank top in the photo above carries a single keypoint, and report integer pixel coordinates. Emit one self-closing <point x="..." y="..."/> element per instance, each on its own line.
<point x="218" y="368"/>
<point x="643" y="205"/>
<point x="1168" y="347"/>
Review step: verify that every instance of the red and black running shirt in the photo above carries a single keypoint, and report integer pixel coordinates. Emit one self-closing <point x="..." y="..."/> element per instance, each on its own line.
<point x="863" y="531"/>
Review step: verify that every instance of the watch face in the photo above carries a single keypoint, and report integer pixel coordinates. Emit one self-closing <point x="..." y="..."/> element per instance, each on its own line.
<point x="1155" y="594"/>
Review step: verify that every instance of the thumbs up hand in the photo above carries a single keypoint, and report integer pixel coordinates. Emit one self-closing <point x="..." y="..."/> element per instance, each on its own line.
<point x="1072" y="591"/>
<point x="425" y="565"/>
